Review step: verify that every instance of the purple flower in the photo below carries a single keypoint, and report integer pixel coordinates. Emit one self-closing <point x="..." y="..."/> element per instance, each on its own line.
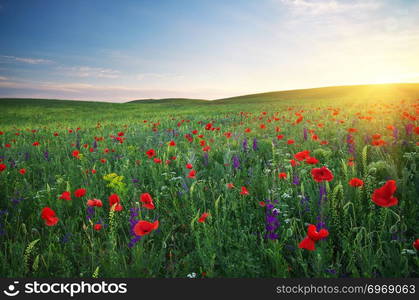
<point x="255" y="144"/>
<point x="134" y="212"/>
<point x="90" y="212"/>
<point x="296" y="180"/>
<point x="236" y="162"/>
<point x="46" y="155"/>
<point x="94" y="144"/>
<point x="272" y="222"/>
<point x="305" y="134"/>
<point x="245" y="144"/>
<point x="409" y="128"/>
<point x="205" y="162"/>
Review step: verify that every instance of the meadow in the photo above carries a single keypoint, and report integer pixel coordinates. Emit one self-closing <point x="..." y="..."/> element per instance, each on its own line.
<point x="210" y="189"/>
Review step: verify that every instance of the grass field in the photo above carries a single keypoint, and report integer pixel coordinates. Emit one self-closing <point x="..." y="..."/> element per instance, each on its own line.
<point x="231" y="181"/>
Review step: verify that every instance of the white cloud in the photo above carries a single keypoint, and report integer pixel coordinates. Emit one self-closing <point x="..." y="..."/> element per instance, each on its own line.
<point x="328" y="6"/>
<point x="3" y="78"/>
<point x="85" y="71"/>
<point x="32" y="61"/>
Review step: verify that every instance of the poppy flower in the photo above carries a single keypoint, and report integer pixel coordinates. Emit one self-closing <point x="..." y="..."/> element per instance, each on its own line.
<point x="147" y="201"/>
<point x="244" y="191"/>
<point x="293" y="163"/>
<point x="321" y="174"/>
<point x="65" y="196"/>
<point x="97" y="227"/>
<point x="309" y="242"/>
<point x="80" y="193"/>
<point x="416" y="244"/>
<point x="302" y="155"/>
<point x="143" y="227"/>
<point x="94" y="202"/>
<point x="230" y="185"/>
<point x="280" y="137"/>
<point x="48" y="215"/>
<point x="189" y="166"/>
<point x="378" y="143"/>
<point x="157" y="160"/>
<point x="22" y="171"/>
<point x="35" y="144"/>
<point x="75" y="153"/>
<point x="311" y="160"/>
<point x="384" y="195"/>
<point x="356" y="182"/>
<point x="192" y="174"/>
<point x="262" y="203"/>
<point x="150" y="153"/>
<point x="115" y="200"/>
<point x="282" y="175"/>
<point x="203" y="217"/>
<point x="290" y="142"/>
<point x="2" y="167"/>
<point x="172" y="143"/>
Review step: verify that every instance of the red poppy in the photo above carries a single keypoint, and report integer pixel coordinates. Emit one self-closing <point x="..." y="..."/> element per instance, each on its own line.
<point x="356" y="182"/>
<point x="147" y="201"/>
<point x="416" y="244"/>
<point x="203" y="217"/>
<point x="157" y="160"/>
<point x="309" y="242"/>
<point x="80" y="193"/>
<point x="282" y="175"/>
<point x="172" y="143"/>
<point x="97" y="227"/>
<point x="65" y="196"/>
<point x="192" y="174"/>
<point x="150" y="153"/>
<point x="290" y="142"/>
<point x="94" y="202"/>
<point x="417" y="130"/>
<point x="144" y="227"/>
<point x="230" y="185"/>
<point x="321" y="174"/>
<point x="75" y="153"/>
<point x="280" y="137"/>
<point x="35" y="144"/>
<point x="189" y="166"/>
<point x="293" y="163"/>
<point x="115" y="200"/>
<point x="8" y="145"/>
<point x="262" y="203"/>
<point x="384" y="195"/>
<point x="244" y="191"/>
<point x="22" y="171"/>
<point x="120" y="133"/>
<point x="302" y="155"/>
<point x="49" y="216"/>
<point x="311" y="160"/>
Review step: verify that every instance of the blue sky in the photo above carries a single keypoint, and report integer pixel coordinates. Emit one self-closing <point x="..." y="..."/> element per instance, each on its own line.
<point x="125" y="50"/>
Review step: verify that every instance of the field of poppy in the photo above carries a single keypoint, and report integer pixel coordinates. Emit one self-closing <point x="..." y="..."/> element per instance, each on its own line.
<point x="269" y="185"/>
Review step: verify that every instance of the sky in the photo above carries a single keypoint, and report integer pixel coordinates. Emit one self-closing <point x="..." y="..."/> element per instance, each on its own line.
<point x="124" y="50"/>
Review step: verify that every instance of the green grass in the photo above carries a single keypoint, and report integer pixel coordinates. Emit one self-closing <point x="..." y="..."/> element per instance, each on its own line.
<point x="365" y="240"/>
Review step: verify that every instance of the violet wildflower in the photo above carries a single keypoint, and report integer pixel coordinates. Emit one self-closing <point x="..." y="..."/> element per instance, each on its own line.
<point x="272" y="222"/>
<point x="296" y="180"/>
<point x="255" y="144"/>
<point x="305" y="134"/>
<point x="205" y="156"/>
<point x="409" y="129"/>
<point x="236" y="162"/>
<point x="90" y="212"/>
<point x="134" y="212"/>
<point x="245" y="144"/>
<point x="46" y="155"/>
